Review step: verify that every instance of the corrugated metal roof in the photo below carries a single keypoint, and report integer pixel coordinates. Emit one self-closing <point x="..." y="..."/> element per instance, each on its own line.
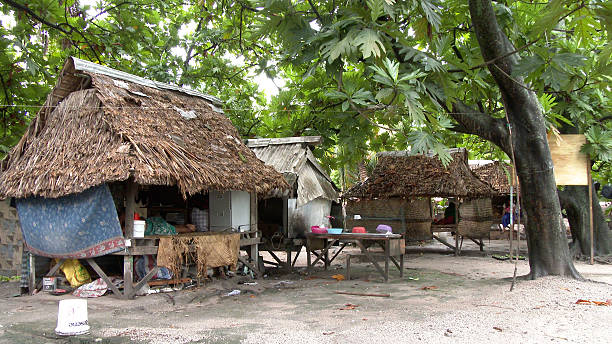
<point x="86" y="66"/>
<point x="296" y="157"/>
<point x="284" y="158"/>
<point x="311" y="140"/>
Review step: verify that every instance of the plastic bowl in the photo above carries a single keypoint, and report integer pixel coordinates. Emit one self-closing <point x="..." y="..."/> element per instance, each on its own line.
<point x="334" y="230"/>
<point x="359" y="230"/>
<point x="383" y="229"/>
<point x="318" y="230"/>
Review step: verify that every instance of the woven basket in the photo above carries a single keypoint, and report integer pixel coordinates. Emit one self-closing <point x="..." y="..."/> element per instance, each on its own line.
<point x="475" y="218"/>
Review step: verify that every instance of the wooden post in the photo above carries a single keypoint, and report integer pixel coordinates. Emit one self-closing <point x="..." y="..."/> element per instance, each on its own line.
<point x="32" y="273"/>
<point x="128" y="260"/>
<point x="253" y="228"/>
<point x="591" y="211"/>
<point x="286" y="218"/>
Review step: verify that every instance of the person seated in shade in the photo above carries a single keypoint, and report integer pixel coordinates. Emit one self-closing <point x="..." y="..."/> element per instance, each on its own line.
<point x="450" y="214"/>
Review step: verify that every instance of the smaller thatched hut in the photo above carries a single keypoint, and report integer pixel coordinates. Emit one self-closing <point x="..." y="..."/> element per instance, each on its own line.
<point x="400" y="189"/>
<point x="497" y="174"/>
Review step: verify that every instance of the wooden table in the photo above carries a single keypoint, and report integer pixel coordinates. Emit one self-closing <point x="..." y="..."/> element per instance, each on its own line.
<point x="393" y="246"/>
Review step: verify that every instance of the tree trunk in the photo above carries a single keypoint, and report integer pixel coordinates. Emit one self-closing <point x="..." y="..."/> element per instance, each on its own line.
<point x="546" y="239"/>
<point x="574" y="200"/>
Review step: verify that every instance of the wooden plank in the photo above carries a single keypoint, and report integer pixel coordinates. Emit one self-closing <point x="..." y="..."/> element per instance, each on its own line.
<point x="170" y="281"/>
<point x="104" y="277"/>
<point x="32" y="274"/>
<point x="278" y="260"/>
<point x="370" y="258"/>
<point x="570" y="165"/>
<point x="338" y="252"/>
<point x="142" y="282"/>
<point x="250" y="241"/>
<point x="254" y="254"/>
<point x="247" y="263"/>
<point x="130" y="196"/>
<point x="128" y="274"/>
<point x="128" y="261"/>
<point x="444" y="242"/>
<point x="56" y="267"/>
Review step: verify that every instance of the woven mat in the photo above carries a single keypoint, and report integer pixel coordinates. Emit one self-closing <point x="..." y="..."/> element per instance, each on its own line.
<point x="209" y="251"/>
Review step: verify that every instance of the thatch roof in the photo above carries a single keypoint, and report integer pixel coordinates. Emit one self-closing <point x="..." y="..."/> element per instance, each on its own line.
<point x="496" y="174"/>
<point x="293" y="157"/>
<point x="101" y="125"/>
<point x="400" y="174"/>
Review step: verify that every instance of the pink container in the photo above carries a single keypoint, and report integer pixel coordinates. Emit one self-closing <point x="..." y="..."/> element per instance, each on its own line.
<point x="359" y="230"/>
<point x="318" y="230"/>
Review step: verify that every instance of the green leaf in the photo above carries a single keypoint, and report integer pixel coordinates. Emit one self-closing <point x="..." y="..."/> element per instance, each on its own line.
<point x="569" y="59"/>
<point x="527" y="65"/>
<point x="551" y="15"/>
<point x="369" y="43"/>
<point x="376" y="8"/>
<point x="430" y="12"/>
<point x="384" y="95"/>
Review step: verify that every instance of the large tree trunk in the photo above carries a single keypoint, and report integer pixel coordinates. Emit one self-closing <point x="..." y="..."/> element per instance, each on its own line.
<point x="547" y="243"/>
<point x="574" y="200"/>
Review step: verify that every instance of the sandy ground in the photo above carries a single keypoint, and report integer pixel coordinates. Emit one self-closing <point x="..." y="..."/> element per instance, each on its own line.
<point x="440" y="299"/>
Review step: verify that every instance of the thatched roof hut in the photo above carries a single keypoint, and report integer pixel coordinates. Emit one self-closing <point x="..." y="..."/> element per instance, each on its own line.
<point x="496" y="174"/>
<point x="101" y="125"/>
<point x="400" y="174"/>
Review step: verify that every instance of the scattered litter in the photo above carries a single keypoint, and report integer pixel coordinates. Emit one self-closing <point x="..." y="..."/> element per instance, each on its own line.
<point x="596" y="303"/>
<point x="96" y="288"/>
<point x="429" y="287"/>
<point x="282" y="283"/>
<point x="250" y="283"/>
<point x="497" y="328"/>
<point x="348" y="307"/>
<point x="413" y="278"/>
<point x="338" y="277"/>
<point x="233" y="293"/>
<point x="506" y="257"/>
<point x="327" y="333"/>
<point x="58" y="292"/>
<point x="361" y="294"/>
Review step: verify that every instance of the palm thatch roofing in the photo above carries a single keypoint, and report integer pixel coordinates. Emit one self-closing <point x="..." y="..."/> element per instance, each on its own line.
<point x="496" y="174"/>
<point x="101" y="125"/>
<point x="292" y="157"/>
<point x="400" y="174"/>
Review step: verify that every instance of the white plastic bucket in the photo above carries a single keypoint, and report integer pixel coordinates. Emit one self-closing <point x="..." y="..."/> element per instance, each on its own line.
<point x="139" y="228"/>
<point x="72" y="317"/>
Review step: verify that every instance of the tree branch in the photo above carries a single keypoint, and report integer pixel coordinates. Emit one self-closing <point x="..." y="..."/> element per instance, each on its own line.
<point x="58" y="27"/>
<point x="471" y="121"/>
<point x="314" y="9"/>
<point x="32" y="14"/>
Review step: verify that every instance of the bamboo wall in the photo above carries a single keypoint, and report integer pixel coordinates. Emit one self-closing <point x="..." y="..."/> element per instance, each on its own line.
<point x="11" y="242"/>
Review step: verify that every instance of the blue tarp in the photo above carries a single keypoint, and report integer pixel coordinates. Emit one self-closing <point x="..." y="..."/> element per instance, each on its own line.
<point x="79" y="225"/>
